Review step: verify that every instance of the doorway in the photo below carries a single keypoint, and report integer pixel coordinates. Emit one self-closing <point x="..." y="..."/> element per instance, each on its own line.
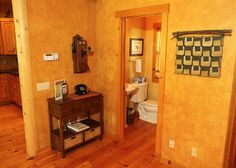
<point x="161" y="10"/>
<point x="9" y="78"/>
<point x="11" y="116"/>
<point x="142" y="50"/>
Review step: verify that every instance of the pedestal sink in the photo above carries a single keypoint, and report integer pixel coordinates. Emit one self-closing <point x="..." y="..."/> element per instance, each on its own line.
<point x="130" y="87"/>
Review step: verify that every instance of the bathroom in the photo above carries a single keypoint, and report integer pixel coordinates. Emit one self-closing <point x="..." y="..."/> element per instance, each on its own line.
<point x="142" y="50"/>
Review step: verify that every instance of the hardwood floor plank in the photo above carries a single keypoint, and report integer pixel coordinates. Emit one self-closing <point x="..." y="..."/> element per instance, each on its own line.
<point x="136" y="150"/>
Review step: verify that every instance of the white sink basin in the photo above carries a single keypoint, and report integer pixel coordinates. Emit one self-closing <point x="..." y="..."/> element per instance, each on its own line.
<point x="130" y="87"/>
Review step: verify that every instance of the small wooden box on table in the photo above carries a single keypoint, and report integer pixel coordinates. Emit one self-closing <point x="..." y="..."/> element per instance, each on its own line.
<point x="87" y="108"/>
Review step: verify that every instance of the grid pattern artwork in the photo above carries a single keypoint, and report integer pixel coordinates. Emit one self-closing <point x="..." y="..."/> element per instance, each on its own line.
<point x="199" y="55"/>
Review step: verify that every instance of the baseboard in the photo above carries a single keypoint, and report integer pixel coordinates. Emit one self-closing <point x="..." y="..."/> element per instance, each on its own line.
<point x="170" y="163"/>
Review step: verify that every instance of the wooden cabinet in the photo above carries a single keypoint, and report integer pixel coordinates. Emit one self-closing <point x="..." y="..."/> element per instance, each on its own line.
<point x="1" y="41"/>
<point x="10" y="89"/>
<point x="14" y="88"/>
<point x="87" y="108"/>
<point x="7" y="37"/>
<point x="18" y="94"/>
<point x="4" y="96"/>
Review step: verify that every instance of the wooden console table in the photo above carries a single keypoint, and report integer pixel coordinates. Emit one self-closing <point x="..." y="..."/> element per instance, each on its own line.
<point x="88" y="109"/>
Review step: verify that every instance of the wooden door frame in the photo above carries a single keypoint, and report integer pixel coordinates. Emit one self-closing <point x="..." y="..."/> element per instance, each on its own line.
<point x="138" y="12"/>
<point x="230" y="147"/>
<point x="25" y="75"/>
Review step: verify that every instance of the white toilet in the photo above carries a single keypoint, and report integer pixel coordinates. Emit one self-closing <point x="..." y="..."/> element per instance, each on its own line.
<point x="147" y="108"/>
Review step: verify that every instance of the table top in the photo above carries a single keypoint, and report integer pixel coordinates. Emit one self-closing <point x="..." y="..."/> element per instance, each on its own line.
<point x="74" y="97"/>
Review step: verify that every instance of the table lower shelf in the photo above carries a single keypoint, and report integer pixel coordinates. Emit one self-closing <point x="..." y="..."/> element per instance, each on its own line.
<point x="72" y="139"/>
<point x="69" y="133"/>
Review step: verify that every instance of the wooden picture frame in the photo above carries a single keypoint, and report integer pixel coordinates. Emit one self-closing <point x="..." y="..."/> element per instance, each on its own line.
<point x="58" y="89"/>
<point x="136" y="47"/>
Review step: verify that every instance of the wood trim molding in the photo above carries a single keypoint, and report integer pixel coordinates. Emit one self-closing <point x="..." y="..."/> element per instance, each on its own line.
<point x="230" y="147"/>
<point x="144" y="11"/>
<point x="25" y="74"/>
<point x="121" y="111"/>
<point x="161" y="94"/>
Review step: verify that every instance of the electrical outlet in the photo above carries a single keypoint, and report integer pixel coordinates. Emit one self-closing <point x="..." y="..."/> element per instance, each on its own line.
<point x="194" y="152"/>
<point x="171" y="143"/>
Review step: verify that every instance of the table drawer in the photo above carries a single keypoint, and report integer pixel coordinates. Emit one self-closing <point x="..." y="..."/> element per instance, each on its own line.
<point x="89" y="134"/>
<point x="69" y="142"/>
<point x="94" y="105"/>
<point x="80" y="109"/>
<point x="72" y="110"/>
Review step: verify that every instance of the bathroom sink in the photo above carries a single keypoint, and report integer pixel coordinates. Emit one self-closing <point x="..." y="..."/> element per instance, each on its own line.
<point x="130" y="87"/>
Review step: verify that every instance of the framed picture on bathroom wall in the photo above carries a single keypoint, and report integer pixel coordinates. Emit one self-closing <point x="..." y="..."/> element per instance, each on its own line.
<point x="136" y="47"/>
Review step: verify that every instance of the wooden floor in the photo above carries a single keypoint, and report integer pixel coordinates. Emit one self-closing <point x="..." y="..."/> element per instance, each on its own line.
<point x="135" y="151"/>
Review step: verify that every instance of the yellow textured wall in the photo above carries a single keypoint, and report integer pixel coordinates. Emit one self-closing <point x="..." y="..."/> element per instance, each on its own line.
<point x="135" y="28"/>
<point x="52" y="24"/>
<point x="196" y="108"/>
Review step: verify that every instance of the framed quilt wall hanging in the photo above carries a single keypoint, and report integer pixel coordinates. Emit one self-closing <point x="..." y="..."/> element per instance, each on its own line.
<point x="200" y="55"/>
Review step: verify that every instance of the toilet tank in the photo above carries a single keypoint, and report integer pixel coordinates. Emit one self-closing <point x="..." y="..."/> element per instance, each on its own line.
<point x="140" y="94"/>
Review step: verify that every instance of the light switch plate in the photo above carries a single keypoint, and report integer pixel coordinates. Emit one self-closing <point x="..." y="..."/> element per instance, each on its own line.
<point x="43" y="86"/>
<point x="171" y="143"/>
<point x="194" y="152"/>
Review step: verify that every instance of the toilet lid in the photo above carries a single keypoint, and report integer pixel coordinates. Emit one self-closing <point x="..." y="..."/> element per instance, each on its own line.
<point x="152" y="103"/>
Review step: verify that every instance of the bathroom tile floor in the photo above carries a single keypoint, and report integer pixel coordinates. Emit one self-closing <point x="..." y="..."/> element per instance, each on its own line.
<point x="136" y="150"/>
